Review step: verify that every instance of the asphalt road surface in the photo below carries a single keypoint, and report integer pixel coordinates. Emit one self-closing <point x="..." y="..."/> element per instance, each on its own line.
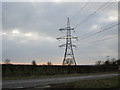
<point x="29" y="83"/>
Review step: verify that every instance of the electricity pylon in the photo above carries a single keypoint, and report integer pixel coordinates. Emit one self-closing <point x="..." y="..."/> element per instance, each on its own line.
<point x="69" y="58"/>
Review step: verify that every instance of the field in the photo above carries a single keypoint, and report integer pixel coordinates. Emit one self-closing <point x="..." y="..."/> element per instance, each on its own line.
<point x="20" y="71"/>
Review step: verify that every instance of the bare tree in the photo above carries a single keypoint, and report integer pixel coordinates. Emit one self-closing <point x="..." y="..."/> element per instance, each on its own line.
<point x="113" y="61"/>
<point x="69" y="61"/>
<point x="107" y="62"/>
<point x="118" y="62"/>
<point x="34" y="62"/>
<point x="49" y="63"/>
<point x="98" y="62"/>
<point x="7" y="61"/>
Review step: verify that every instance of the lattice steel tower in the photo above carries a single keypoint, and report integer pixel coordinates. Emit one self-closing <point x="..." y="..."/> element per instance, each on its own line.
<point x="69" y="58"/>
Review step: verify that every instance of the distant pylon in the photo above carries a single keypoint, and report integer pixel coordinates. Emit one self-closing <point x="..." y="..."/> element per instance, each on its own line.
<point x="69" y="58"/>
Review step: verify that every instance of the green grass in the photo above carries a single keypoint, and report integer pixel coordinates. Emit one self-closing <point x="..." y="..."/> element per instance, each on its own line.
<point x="96" y="83"/>
<point x="47" y="76"/>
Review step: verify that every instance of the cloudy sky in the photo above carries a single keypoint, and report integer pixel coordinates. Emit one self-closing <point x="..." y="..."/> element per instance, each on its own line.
<point x="30" y="29"/>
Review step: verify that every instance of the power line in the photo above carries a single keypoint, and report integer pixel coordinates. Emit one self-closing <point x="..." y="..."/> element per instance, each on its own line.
<point x="100" y="31"/>
<point x="91" y="14"/>
<point x="89" y="33"/>
<point x="108" y="5"/>
<point x="102" y="39"/>
<point x="105" y="39"/>
<point x="98" y="41"/>
<point x="94" y="53"/>
<point x="72" y="17"/>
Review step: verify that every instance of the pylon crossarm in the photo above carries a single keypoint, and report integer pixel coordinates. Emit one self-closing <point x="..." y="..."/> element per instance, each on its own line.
<point x="69" y="37"/>
<point x="73" y="37"/>
<point x="64" y="37"/>
<point x="63" y="29"/>
<point x="66" y="28"/>
<point x="62" y="45"/>
<point x="71" y="28"/>
<point x="74" y="46"/>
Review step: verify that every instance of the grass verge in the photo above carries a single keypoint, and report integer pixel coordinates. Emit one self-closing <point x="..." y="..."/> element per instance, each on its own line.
<point x="48" y="76"/>
<point x="95" y="83"/>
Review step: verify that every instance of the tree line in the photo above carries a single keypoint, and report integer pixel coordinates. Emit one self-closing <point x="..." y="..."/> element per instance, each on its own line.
<point x="112" y="61"/>
<point x="8" y="61"/>
<point x="11" y="70"/>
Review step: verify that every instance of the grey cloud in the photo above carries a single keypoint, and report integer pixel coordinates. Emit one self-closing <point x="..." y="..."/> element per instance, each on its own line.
<point x="47" y="18"/>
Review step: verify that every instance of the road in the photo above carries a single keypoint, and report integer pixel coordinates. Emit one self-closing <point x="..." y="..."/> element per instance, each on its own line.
<point x="28" y="83"/>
